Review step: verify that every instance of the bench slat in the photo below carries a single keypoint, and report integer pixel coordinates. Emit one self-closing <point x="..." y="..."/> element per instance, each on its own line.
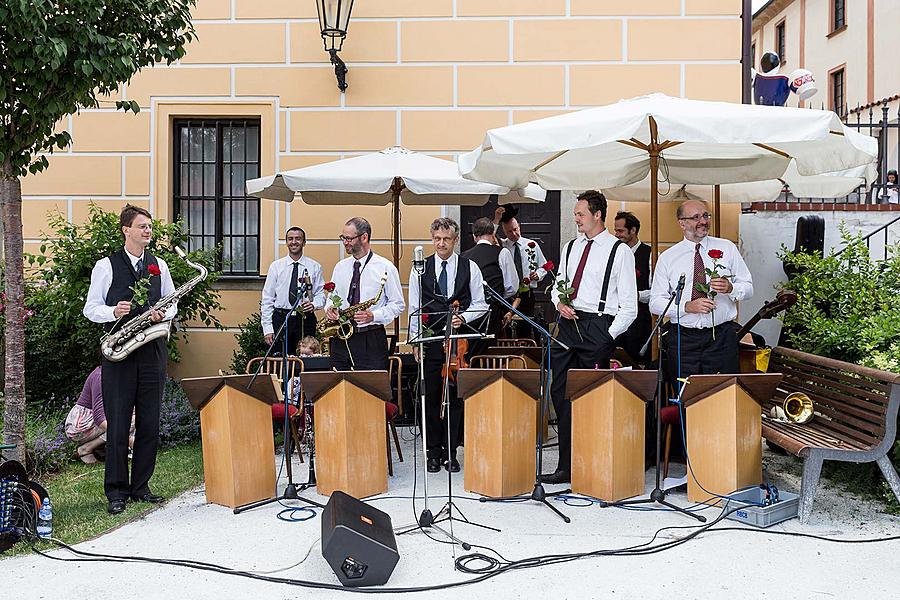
<point x="865" y="388"/>
<point x="859" y="407"/>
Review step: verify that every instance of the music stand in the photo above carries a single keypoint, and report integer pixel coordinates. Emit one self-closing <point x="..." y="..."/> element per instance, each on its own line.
<point x="538" y="494"/>
<point x="290" y="490"/>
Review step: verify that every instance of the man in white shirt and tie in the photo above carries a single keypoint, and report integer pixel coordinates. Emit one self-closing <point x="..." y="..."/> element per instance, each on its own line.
<point x="291" y="278"/>
<point x="448" y="279"/>
<point x="707" y="324"/>
<point x="522" y="249"/>
<point x="603" y="304"/>
<point x="357" y="279"/>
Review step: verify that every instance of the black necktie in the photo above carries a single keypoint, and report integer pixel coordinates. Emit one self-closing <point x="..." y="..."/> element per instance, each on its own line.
<point x="354" y="285"/>
<point x="139" y="267"/>
<point x="517" y="255"/>
<point x="292" y="290"/>
<point x="442" y="279"/>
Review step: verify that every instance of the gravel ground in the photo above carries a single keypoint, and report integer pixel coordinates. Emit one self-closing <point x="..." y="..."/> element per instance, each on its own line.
<point x="727" y="564"/>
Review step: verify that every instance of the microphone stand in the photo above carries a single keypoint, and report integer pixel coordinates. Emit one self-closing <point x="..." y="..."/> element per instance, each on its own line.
<point x="538" y="494"/>
<point x="290" y="490"/>
<point x="658" y="495"/>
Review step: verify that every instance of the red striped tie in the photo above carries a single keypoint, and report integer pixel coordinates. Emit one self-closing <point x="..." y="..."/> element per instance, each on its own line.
<point x="579" y="272"/>
<point x="699" y="274"/>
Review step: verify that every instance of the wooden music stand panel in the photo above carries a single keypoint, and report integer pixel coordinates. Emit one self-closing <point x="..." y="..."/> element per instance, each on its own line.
<point x="238" y="448"/>
<point x="350" y="442"/>
<point x="724" y="443"/>
<point x="608" y="441"/>
<point x="500" y="422"/>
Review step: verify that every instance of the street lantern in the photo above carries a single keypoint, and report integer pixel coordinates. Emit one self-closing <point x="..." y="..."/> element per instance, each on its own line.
<point x="334" y="18"/>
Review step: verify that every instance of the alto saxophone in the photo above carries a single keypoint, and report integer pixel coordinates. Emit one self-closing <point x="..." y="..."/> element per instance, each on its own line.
<point x="342" y="327"/>
<point x="116" y="346"/>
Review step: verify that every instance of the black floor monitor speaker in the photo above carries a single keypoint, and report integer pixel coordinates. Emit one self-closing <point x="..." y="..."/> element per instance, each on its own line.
<point x="358" y="541"/>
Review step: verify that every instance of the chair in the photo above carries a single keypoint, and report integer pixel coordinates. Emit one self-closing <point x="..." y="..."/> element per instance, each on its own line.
<point x="395" y="371"/>
<point x="500" y="361"/>
<point x="273" y="366"/>
<point x="517" y="342"/>
<point x="670" y="416"/>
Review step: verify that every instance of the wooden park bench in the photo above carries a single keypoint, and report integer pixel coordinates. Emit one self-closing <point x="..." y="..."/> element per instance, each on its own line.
<point x="855" y="416"/>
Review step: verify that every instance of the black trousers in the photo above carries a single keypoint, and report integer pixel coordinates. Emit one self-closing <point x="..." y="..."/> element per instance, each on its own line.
<point x="526" y="306"/>
<point x="133" y="385"/>
<point x="635" y="337"/>
<point x="298" y="327"/>
<point x="490" y="324"/>
<point x="700" y="353"/>
<point x="435" y="426"/>
<point x="365" y="350"/>
<point x="591" y="349"/>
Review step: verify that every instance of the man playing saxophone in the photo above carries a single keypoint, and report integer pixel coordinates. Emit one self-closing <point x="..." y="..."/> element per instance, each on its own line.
<point x="358" y="279"/>
<point x="136" y="382"/>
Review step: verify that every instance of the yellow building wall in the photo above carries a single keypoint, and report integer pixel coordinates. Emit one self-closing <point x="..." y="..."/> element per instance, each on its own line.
<point x="431" y="75"/>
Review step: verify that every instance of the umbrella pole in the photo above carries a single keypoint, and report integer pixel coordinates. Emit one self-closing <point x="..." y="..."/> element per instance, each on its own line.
<point x="717" y="213"/>
<point x="654" y="205"/>
<point x="397" y="187"/>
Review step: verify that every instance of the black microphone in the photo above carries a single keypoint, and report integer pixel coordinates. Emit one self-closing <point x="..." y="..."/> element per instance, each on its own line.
<point x="679" y="289"/>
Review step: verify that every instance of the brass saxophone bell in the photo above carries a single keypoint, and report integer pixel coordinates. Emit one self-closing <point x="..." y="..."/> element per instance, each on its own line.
<point x="798" y="408"/>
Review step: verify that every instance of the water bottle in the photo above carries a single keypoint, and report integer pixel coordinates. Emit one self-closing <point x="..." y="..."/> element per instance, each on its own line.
<point x="45" y="520"/>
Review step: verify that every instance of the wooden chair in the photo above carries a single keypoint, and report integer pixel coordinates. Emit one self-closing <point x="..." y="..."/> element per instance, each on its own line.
<point x="395" y="371"/>
<point x="273" y="366"/>
<point x="500" y="361"/>
<point x="517" y="342"/>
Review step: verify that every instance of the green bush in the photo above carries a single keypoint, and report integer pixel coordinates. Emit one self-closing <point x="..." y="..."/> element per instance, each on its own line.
<point x="250" y="343"/>
<point x="61" y="345"/>
<point x="848" y="308"/>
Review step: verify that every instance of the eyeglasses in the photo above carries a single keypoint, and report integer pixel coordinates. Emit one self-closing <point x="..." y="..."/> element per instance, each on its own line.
<point x="697" y="218"/>
<point x="345" y="238"/>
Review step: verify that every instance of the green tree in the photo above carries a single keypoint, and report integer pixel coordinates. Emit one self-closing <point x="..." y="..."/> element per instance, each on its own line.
<point x="60" y="56"/>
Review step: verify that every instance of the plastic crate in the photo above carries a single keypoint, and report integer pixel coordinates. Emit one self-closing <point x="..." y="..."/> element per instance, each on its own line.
<point x="762" y="516"/>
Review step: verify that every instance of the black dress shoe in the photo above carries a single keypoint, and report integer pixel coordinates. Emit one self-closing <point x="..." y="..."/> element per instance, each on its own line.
<point x="558" y="476"/>
<point x="148" y="497"/>
<point x="434" y="465"/>
<point x="453" y="465"/>
<point x="116" y="506"/>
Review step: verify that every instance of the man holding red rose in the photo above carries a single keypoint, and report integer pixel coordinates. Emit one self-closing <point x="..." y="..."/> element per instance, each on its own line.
<point x="529" y="261"/>
<point x="708" y="307"/>
<point x="134" y="384"/>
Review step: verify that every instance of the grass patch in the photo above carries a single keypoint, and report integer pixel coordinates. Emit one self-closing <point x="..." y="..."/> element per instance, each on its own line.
<point x="79" y="504"/>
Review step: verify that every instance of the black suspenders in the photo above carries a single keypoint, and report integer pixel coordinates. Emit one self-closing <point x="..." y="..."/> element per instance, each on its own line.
<point x="606" y="277"/>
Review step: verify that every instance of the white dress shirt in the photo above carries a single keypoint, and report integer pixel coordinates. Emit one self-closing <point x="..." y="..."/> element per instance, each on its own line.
<point x="621" y="296"/>
<point x="95" y="307"/>
<point x="508" y="268"/>
<point x="389" y="306"/>
<point x="643" y="295"/>
<point x="680" y="259"/>
<point x="276" y="291"/>
<point x="478" y="307"/>
<point x="522" y="243"/>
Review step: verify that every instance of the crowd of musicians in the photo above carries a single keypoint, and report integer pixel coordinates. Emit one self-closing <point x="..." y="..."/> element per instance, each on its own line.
<point x="603" y="291"/>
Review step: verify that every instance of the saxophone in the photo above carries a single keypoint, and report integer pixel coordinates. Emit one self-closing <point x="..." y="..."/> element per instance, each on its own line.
<point x="342" y="327"/>
<point x="117" y="345"/>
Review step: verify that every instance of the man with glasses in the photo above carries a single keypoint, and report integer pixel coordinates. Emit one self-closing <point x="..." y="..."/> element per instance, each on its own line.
<point x="708" y="307"/>
<point x="357" y="279"/>
<point x="286" y="278"/>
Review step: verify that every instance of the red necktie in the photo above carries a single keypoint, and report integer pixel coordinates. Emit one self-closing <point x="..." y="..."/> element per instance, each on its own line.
<point x="579" y="272"/>
<point x="699" y="274"/>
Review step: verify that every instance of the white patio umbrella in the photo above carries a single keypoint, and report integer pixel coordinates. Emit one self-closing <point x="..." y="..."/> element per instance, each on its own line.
<point x="391" y="175"/>
<point x="663" y="138"/>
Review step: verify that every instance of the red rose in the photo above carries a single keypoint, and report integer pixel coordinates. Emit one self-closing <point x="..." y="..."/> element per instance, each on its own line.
<point x="329" y="287"/>
<point x="153" y="269"/>
<point x="714" y="253"/>
<point x="424" y="317"/>
<point x="526" y="281"/>
<point x="531" y="244"/>
<point x="548" y="266"/>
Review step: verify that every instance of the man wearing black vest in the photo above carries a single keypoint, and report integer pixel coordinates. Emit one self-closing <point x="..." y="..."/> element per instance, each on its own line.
<point x="499" y="273"/>
<point x="627" y="228"/>
<point x="135" y="383"/>
<point x="603" y="304"/>
<point x="529" y="261"/>
<point x="447" y="279"/>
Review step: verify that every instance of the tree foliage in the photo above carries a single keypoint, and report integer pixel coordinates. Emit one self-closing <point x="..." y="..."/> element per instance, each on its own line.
<point x="61" y="345"/>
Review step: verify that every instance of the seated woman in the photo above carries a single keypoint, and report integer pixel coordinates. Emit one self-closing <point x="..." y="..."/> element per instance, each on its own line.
<point x="86" y="422"/>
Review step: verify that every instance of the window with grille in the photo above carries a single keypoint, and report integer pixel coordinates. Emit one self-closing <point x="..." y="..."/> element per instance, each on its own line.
<point x="839" y="14"/>
<point x="213" y="159"/>
<point x="753" y="56"/>
<point x="781" y="42"/>
<point x="837" y="91"/>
